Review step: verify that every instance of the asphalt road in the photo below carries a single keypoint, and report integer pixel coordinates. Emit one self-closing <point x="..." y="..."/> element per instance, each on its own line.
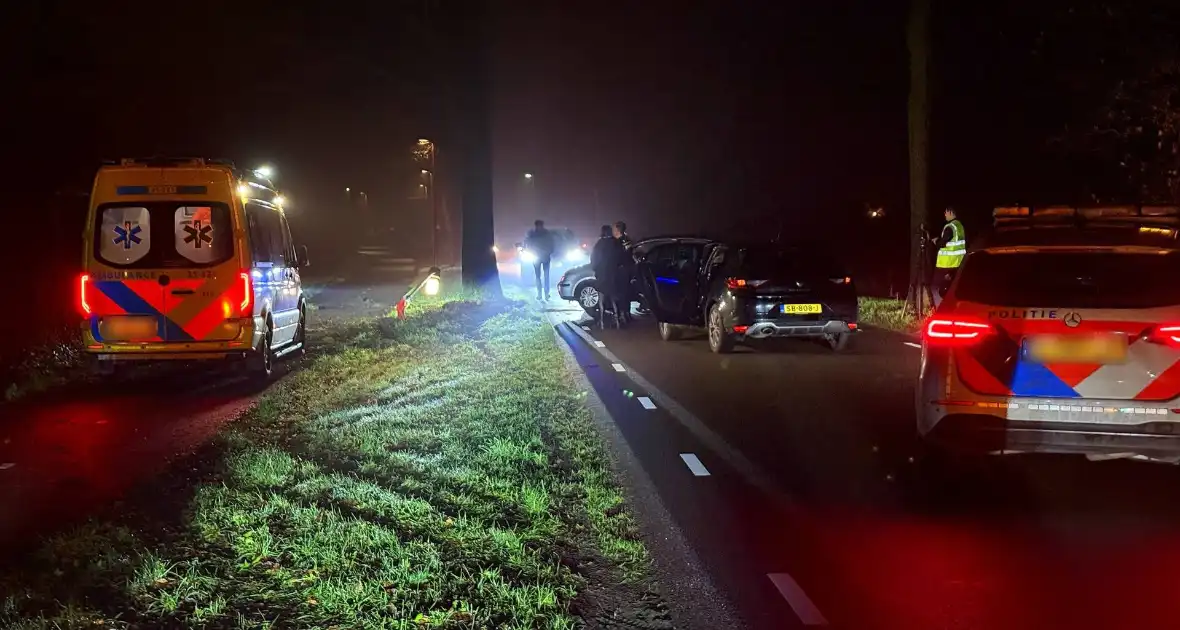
<point x="814" y="512"/>
<point x="75" y="449"/>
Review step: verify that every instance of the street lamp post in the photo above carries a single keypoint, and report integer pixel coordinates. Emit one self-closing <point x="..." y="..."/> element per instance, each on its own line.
<point x="431" y="194"/>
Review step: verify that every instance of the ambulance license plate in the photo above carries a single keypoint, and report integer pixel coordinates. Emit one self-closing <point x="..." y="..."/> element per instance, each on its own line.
<point x="802" y="309"/>
<point x="129" y="328"/>
<point x="1092" y="349"/>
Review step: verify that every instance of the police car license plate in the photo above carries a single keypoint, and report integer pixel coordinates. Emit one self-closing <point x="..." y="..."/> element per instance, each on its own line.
<point x="1100" y="349"/>
<point x="802" y="309"/>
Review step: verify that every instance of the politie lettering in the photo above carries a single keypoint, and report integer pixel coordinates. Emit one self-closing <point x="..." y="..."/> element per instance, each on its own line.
<point x="1028" y="313"/>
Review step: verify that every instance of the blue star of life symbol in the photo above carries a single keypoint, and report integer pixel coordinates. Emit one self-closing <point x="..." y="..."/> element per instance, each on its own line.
<point x="127" y="235"/>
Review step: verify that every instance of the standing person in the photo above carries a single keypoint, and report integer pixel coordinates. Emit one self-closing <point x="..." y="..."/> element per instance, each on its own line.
<point x="541" y="243"/>
<point x="620" y="232"/>
<point x="952" y="248"/>
<point x="607" y="261"/>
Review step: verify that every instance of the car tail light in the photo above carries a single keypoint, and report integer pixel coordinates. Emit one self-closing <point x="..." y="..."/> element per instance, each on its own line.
<point x="83" y="297"/>
<point x="844" y="280"/>
<point x="741" y="283"/>
<point x="247" y="305"/>
<point x="1166" y="334"/>
<point x="955" y="330"/>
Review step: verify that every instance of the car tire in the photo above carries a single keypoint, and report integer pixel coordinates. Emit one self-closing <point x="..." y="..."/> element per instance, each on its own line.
<point x="840" y="342"/>
<point x="720" y="342"/>
<point x="588" y="298"/>
<point x="261" y="361"/>
<point x="301" y="332"/>
<point x="670" y="332"/>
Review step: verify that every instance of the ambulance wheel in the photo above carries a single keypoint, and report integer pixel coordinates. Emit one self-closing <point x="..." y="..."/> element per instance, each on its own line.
<point x="261" y="362"/>
<point x="104" y="368"/>
<point x="301" y="332"/>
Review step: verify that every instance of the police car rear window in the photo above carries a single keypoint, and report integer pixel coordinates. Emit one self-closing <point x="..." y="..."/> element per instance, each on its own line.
<point x="1071" y="279"/>
<point x="163" y="234"/>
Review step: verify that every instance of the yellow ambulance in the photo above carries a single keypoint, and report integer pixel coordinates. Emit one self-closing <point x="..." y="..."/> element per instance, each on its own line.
<point x="189" y="258"/>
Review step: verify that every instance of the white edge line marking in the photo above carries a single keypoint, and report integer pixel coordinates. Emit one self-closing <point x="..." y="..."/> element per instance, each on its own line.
<point x="694" y="464"/>
<point x="618" y="367"/>
<point x="913" y="345"/>
<point x="599" y="344"/>
<point x="799" y="601"/>
<point x="646" y="402"/>
<point x="752" y="473"/>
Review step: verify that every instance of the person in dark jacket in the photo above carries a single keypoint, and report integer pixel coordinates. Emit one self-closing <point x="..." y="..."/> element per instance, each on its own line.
<point x="608" y="259"/>
<point x="541" y="243"/>
<point x="633" y="293"/>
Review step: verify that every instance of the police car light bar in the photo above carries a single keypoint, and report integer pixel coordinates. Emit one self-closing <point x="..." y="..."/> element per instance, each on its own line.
<point x="1150" y="215"/>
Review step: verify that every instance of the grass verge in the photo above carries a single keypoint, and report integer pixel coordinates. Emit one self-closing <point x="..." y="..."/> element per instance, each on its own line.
<point x="436" y="472"/>
<point x="887" y="313"/>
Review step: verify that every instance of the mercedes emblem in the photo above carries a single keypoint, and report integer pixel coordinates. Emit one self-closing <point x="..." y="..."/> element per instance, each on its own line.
<point x="1072" y="319"/>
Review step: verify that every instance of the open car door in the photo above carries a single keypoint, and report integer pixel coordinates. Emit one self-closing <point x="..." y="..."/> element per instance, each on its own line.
<point x="671" y="278"/>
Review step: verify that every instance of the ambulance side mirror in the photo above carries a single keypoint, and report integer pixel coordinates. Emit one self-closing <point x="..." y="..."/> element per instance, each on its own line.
<point x="303" y="260"/>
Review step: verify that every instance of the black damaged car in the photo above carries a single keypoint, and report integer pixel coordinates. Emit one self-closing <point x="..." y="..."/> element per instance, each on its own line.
<point x="741" y="293"/>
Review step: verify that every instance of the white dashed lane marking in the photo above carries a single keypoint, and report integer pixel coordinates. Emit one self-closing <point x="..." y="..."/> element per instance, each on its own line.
<point x="618" y="367"/>
<point x="646" y="402"/>
<point x="586" y="328"/>
<point x="799" y="601"/>
<point x="694" y="464"/>
<point x="599" y="344"/>
<point x="913" y="345"/>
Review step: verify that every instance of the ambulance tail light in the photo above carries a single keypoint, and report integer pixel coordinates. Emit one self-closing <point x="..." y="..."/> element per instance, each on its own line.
<point x="1165" y="334"/>
<point x="83" y="294"/>
<point x="247" y="285"/>
<point x="955" y="331"/>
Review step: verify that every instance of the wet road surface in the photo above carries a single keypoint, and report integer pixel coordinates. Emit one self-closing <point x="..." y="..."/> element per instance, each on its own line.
<point x="66" y="452"/>
<point x="814" y="510"/>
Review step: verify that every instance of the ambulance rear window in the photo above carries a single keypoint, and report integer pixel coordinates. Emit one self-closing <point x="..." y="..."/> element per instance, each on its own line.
<point x="1071" y="279"/>
<point x="163" y="235"/>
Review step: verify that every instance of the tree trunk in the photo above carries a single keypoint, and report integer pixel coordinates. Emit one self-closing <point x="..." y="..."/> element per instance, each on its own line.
<point x="918" y="40"/>
<point x="478" y="259"/>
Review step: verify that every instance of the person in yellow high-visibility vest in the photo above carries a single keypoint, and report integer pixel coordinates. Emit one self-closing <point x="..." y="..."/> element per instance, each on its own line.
<point x="952" y="248"/>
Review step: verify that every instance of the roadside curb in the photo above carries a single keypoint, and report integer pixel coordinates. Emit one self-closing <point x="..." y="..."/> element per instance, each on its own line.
<point x="687" y="588"/>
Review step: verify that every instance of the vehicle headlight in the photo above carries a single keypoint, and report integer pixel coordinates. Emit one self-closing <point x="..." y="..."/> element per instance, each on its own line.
<point x="527" y="256"/>
<point x="576" y="255"/>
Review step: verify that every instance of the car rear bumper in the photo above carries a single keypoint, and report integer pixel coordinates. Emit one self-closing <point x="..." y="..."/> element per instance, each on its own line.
<point x="816" y="329"/>
<point x="977" y="433"/>
<point x="250" y="335"/>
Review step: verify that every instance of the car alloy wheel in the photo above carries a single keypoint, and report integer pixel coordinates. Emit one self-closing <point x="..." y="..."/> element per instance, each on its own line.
<point x="719" y="341"/>
<point x="588" y="297"/>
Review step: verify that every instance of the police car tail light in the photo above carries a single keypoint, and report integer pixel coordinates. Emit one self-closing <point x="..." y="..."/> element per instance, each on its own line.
<point x="742" y="283"/>
<point x="956" y="330"/>
<point x="247" y="284"/>
<point x="1166" y="334"/>
<point x="83" y="298"/>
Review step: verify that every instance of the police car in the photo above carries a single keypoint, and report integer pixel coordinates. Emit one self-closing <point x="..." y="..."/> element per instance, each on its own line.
<point x="1060" y="335"/>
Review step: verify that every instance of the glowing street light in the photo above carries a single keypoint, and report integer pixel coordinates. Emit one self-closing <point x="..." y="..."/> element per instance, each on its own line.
<point x="264" y="171"/>
<point x="432" y="285"/>
<point x="528" y="175"/>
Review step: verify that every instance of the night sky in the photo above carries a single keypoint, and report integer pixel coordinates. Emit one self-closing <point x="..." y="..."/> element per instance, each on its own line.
<point x="703" y="116"/>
